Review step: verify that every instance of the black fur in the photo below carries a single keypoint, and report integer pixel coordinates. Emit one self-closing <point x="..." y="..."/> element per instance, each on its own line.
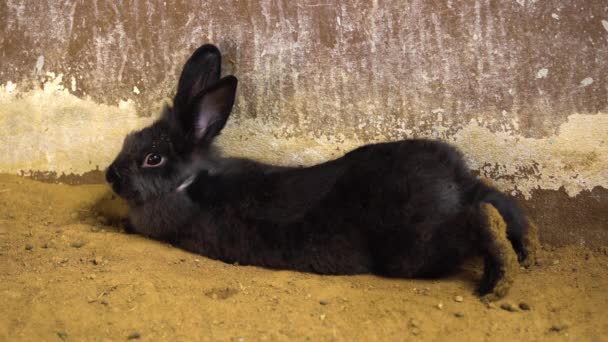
<point x="404" y="209"/>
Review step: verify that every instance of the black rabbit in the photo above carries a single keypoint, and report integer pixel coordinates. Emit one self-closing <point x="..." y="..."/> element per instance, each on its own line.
<point x="409" y="208"/>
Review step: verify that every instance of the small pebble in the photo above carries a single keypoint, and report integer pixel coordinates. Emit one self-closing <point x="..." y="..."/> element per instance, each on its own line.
<point x="134" y="336"/>
<point x="458" y="299"/>
<point x="557" y="328"/>
<point x="508" y="307"/>
<point x="524" y="306"/>
<point x="459" y="314"/>
<point x="102" y="219"/>
<point x="77" y="244"/>
<point x="414" y="323"/>
<point x="62" y="335"/>
<point x="323" y="302"/>
<point x="322" y="317"/>
<point x="29" y="247"/>
<point x="555" y="262"/>
<point x="97" y="260"/>
<point x="74" y="216"/>
<point x="490" y="305"/>
<point x="424" y="291"/>
<point x="440" y="306"/>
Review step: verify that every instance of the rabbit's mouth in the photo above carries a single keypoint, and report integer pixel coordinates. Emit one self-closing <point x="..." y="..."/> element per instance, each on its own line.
<point x="123" y="192"/>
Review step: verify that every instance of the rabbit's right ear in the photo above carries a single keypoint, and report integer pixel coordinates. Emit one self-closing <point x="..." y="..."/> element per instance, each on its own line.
<point x="200" y="71"/>
<point x="211" y="109"/>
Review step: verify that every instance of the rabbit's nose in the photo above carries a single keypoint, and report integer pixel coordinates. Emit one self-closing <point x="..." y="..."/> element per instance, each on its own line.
<point x="112" y="175"/>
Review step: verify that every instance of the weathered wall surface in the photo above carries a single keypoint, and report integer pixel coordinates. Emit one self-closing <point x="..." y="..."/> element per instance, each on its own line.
<point x="520" y="86"/>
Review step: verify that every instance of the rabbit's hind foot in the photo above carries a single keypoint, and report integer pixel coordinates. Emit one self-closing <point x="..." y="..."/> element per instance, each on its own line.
<point x="500" y="259"/>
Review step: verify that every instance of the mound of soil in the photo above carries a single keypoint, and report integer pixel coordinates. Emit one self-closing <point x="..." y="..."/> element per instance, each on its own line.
<point x="68" y="272"/>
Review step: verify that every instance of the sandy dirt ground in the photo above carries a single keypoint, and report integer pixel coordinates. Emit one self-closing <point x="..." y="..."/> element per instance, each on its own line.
<point x="69" y="273"/>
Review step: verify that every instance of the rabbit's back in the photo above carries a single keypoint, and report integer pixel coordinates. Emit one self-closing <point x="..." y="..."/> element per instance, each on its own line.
<point x="350" y="215"/>
<point x="405" y="182"/>
<point x="409" y="202"/>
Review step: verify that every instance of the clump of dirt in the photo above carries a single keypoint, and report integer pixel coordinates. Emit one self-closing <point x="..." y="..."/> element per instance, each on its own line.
<point x="67" y="272"/>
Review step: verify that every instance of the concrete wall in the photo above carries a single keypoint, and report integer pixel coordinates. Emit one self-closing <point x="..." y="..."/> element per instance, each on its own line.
<point x="520" y="86"/>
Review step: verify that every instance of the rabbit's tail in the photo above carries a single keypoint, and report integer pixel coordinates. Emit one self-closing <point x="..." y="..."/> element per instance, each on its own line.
<point x="521" y="232"/>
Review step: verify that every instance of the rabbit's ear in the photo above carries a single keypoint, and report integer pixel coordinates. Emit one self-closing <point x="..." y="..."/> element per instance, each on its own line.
<point x="212" y="108"/>
<point x="200" y="71"/>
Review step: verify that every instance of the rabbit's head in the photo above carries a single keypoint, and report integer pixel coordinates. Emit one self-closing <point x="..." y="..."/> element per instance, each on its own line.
<point x="159" y="158"/>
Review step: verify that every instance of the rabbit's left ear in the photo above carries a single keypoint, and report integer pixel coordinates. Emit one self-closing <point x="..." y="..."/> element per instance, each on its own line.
<point x="200" y="71"/>
<point x="212" y="109"/>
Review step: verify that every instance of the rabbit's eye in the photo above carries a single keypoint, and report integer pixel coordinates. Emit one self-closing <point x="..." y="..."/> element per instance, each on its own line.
<point x="153" y="160"/>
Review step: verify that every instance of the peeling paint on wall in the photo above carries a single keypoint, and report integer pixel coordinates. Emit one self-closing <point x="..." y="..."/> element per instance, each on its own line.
<point x="575" y="158"/>
<point x="51" y="129"/>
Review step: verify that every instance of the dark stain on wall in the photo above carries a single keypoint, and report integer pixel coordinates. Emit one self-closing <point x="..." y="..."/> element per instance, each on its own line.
<point x="582" y="219"/>
<point x="330" y="62"/>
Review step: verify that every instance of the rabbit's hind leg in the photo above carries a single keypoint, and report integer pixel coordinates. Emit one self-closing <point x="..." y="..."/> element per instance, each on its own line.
<point x="531" y="243"/>
<point x="522" y="233"/>
<point x="500" y="259"/>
